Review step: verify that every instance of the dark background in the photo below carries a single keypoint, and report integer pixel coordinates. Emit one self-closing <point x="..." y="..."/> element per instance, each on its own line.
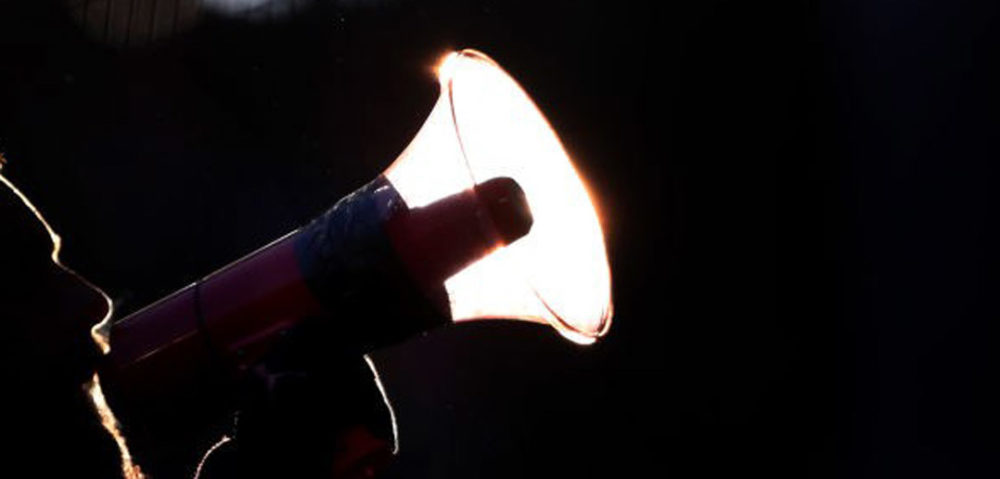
<point x="797" y="199"/>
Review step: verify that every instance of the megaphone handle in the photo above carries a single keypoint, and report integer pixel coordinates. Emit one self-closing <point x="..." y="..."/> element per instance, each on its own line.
<point x="302" y="419"/>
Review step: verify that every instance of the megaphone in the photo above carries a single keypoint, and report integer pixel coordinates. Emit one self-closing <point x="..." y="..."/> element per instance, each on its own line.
<point x="481" y="216"/>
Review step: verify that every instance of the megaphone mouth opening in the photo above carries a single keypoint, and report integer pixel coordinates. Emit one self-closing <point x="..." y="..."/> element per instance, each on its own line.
<point x="556" y="193"/>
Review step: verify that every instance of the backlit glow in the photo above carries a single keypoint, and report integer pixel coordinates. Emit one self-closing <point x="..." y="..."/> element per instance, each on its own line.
<point x="98" y="333"/>
<point x="485" y="126"/>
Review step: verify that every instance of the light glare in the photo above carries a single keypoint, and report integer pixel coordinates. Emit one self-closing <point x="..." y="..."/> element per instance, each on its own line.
<point x="485" y="126"/>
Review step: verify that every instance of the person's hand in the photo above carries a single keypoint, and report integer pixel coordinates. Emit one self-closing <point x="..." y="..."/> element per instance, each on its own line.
<point x="307" y="414"/>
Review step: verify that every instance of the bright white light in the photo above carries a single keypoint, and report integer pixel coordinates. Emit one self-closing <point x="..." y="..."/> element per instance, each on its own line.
<point x="274" y="9"/>
<point x="485" y="126"/>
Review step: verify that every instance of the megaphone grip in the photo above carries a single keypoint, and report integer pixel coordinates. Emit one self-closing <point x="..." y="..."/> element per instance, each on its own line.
<point x="371" y="267"/>
<point x="175" y="365"/>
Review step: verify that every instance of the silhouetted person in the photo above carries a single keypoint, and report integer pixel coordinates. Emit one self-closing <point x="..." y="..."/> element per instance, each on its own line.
<point x="50" y="427"/>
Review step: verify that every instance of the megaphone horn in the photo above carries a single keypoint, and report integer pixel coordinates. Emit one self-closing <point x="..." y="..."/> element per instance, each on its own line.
<point x="481" y="216"/>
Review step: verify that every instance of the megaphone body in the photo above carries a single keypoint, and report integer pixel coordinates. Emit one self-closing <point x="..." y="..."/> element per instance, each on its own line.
<point x="482" y="216"/>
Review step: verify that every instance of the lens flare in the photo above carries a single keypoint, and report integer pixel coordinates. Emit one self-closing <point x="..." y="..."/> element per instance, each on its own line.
<point x="485" y="126"/>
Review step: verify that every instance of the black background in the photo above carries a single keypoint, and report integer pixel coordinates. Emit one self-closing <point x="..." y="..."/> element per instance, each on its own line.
<point x="797" y="199"/>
